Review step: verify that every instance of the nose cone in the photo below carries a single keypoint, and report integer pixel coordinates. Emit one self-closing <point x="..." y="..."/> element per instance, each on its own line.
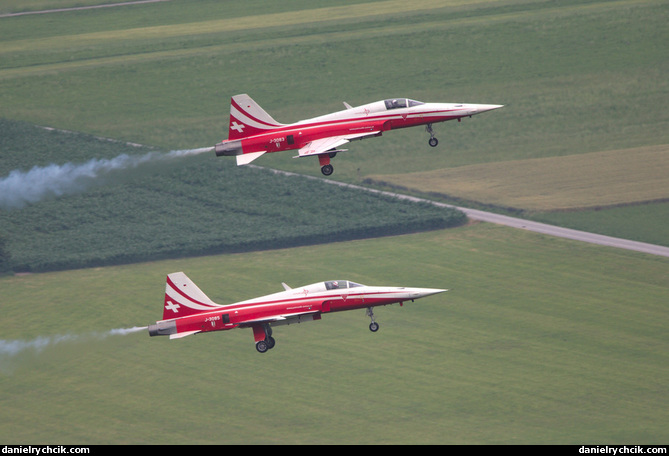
<point x="416" y="293"/>
<point x="479" y="108"/>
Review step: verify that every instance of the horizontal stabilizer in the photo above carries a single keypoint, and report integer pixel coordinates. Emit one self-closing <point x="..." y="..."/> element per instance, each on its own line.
<point x="183" y="334"/>
<point x="245" y="159"/>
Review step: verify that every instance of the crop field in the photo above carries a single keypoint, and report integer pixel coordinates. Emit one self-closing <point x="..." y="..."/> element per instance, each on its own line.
<point x="539" y="340"/>
<point x="170" y="209"/>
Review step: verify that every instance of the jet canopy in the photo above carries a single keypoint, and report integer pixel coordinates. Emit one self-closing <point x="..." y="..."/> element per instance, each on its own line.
<point x="396" y="103"/>
<point x="337" y="284"/>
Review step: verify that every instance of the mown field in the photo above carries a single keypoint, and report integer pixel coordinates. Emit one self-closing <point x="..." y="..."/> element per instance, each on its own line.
<point x="538" y="340"/>
<point x="575" y="77"/>
<point x="584" y="181"/>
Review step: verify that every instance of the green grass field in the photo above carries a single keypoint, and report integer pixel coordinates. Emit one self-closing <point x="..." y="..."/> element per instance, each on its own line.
<point x="575" y="77"/>
<point x="538" y="340"/>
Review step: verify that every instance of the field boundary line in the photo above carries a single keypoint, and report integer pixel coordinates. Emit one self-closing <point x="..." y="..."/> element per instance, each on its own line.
<point x="499" y="219"/>
<point x="78" y="8"/>
<point x="267" y="22"/>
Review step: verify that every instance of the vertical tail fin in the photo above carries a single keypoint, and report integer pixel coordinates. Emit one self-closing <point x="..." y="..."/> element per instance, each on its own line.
<point x="247" y="118"/>
<point x="183" y="297"/>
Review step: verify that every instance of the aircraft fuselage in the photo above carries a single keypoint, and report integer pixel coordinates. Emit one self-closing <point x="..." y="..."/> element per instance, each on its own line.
<point x="188" y="311"/>
<point x="253" y="135"/>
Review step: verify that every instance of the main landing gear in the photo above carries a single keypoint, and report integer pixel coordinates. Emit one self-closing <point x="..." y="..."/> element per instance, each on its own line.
<point x="373" y="326"/>
<point x="433" y="141"/>
<point x="324" y="160"/>
<point x="262" y="345"/>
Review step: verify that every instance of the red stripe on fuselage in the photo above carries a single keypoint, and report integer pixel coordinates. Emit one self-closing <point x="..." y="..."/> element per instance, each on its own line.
<point x="241" y="313"/>
<point x="357" y="120"/>
<point x="303" y="133"/>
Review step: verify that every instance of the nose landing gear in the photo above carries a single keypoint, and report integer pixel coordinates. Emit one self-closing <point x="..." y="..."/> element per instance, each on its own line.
<point x="433" y="141"/>
<point x="373" y="326"/>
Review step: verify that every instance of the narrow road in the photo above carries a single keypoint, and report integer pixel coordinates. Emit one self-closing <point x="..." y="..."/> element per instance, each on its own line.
<point x="77" y="8"/>
<point x="567" y="233"/>
<point x="513" y="222"/>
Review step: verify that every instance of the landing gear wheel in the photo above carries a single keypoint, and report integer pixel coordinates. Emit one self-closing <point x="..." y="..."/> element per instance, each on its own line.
<point x="433" y="141"/>
<point x="262" y="346"/>
<point x="327" y="170"/>
<point x="373" y="326"/>
<point x="270" y="342"/>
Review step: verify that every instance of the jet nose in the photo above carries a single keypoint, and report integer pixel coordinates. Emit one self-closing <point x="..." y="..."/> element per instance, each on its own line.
<point x="479" y="108"/>
<point x="416" y="293"/>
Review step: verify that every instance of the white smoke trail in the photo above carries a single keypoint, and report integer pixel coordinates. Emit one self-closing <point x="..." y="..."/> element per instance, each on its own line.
<point x="11" y="350"/>
<point x="20" y="188"/>
<point x="124" y="331"/>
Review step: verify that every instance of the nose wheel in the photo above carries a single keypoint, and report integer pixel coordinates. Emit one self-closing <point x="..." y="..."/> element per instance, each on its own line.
<point x="373" y="326"/>
<point x="433" y="141"/>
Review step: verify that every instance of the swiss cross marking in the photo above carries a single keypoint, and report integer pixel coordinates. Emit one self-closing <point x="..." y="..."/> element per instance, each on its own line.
<point x="173" y="307"/>
<point x="237" y="127"/>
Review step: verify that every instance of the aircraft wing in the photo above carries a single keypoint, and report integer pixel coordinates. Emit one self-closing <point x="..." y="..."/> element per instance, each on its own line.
<point x="278" y="318"/>
<point x="322" y="146"/>
<point x="325" y="145"/>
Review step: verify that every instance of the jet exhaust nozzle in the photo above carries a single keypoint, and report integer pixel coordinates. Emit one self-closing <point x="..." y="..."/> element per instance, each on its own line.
<point x="163" y="328"/>
<point x="228" y="148"/>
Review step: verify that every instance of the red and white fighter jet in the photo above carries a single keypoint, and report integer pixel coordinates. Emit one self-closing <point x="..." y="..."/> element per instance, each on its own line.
<point x="187" y="310"/>
<point x="252" y="132"/>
